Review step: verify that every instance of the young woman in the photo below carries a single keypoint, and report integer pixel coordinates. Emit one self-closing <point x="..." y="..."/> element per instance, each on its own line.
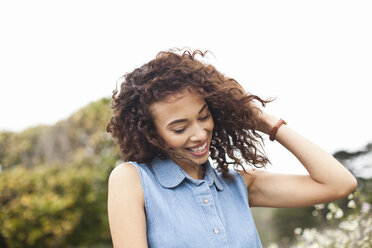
<point x="173" y="114"/>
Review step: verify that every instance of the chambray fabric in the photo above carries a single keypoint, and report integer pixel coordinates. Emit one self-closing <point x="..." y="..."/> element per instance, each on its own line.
<point x="186" y="212"/>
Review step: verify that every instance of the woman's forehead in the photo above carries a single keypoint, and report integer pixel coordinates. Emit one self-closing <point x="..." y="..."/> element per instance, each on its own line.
<point x="180" y="105"/>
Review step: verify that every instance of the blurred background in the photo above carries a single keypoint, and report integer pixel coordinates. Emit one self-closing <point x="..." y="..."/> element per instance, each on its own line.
<point x="60" y="62"/>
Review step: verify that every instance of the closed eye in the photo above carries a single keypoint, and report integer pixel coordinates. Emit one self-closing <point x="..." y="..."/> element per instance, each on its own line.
<point x="179" y="130"/>
<point x="204" y="117"/>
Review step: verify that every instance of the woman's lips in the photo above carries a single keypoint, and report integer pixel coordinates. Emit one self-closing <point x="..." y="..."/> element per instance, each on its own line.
<point x="203" y="149"/>
<point x="200" y="144"/>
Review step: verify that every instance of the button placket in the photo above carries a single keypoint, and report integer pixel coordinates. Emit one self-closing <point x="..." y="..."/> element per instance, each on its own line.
<point x="208" y="205"/>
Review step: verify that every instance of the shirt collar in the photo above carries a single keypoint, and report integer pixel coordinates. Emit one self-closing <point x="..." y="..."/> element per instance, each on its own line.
<point x="170" y="174"/>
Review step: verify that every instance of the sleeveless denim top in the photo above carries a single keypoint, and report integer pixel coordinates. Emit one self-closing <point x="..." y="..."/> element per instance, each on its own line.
<point x="186" y="212"/>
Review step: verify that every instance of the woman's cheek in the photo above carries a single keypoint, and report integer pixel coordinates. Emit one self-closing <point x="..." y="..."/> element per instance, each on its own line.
<point x="177" y="141"/>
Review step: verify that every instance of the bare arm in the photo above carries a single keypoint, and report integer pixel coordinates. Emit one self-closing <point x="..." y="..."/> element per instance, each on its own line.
<point x="126" y="208"/>
<point x="328" y="180"/>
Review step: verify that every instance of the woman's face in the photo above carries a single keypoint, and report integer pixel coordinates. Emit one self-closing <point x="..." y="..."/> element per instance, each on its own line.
<point x="184" y="122"/>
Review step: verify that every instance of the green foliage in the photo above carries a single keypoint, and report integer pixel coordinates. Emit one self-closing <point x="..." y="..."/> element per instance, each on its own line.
<point x="286" y="220"/>
<point x="82" y="135"/>
<point x="53" y="206"/>
<point x="54" y="182"/>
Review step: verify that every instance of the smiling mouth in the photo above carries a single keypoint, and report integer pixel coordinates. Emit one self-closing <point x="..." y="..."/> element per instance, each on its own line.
<point x="200" y="148"/>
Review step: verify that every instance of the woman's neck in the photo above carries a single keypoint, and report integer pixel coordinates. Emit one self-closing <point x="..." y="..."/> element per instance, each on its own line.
<point x="193" y="170"/>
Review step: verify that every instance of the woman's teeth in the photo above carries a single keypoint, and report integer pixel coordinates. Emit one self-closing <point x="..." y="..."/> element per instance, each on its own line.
<point x="200" y="148"/>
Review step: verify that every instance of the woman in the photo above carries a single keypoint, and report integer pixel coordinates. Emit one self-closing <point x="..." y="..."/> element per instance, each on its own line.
<point x="169" y="117"/>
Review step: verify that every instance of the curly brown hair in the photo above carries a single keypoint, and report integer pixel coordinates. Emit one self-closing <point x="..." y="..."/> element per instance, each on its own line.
<point x="234" y="135"/>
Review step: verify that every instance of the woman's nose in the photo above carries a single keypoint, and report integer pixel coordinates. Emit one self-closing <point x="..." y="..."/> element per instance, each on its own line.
<point x="199" y="134"/>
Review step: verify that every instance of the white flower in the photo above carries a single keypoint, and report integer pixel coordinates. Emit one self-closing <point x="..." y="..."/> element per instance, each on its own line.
<point x="349" y="225"/>
<point x="332" y="207"/>
<point x="315" y="213"/>
<point x="329" y="216"/>
<point x="351" y="204"/>
<point x="319" y="206"/>
<point x="308" y="234"/>
<point x="339" y="213"/>
<point x="298" y="230"/>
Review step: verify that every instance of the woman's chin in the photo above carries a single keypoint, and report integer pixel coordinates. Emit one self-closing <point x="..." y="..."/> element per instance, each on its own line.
<point x="187" y="157"/>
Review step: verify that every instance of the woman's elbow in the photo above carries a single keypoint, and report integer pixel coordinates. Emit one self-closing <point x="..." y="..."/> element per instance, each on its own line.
<point x="353" y="184"/>
<point x="348" y="185"/>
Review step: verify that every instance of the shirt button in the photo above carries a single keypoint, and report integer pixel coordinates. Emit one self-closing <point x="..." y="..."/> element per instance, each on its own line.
<point x="216" y="231"/>
<point x="205" y="200"/>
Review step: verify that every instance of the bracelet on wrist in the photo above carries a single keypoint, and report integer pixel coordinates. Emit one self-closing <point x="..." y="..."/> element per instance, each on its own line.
<point x="276" y="128"/>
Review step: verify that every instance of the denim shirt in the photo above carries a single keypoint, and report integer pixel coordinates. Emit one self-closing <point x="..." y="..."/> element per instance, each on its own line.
<point x="186" y="212"/>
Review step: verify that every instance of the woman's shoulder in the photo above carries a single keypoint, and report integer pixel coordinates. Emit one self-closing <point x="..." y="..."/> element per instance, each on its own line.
<point x="126" y="170"/>
<point x="125" y="178"/>
<point x="125" y="205"/>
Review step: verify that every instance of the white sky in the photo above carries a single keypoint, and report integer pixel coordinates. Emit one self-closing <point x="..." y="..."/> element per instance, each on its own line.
<point x="314" y="56"/>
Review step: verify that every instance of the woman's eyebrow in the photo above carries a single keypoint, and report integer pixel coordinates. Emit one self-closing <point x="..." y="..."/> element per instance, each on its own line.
<point x="201" y="110"/>
<point x="183" y="120"/>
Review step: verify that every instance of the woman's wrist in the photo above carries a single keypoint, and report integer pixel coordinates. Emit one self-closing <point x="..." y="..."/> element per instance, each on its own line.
<point x="275" y="129"/>
<point x="267" y="123"/>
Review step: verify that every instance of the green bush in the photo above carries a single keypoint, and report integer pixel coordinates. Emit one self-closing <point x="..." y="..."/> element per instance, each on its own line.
<point x="54" y="206"/>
